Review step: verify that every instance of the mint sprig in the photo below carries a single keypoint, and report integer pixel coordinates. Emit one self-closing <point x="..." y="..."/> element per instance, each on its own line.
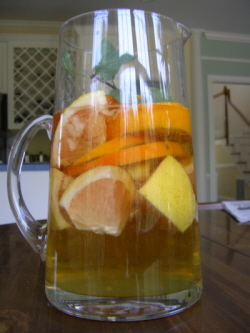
<point x="110" y="62"/>
<point x="107" y="69"/>
<point x="67" y="63"/>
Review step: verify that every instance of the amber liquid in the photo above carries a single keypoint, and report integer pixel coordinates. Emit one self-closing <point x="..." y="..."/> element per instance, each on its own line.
<point x="134" y="264"/>
<point x="150" y="257"/>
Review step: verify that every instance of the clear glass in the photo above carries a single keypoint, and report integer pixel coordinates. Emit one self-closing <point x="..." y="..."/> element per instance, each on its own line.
<point x="122" y="240"/>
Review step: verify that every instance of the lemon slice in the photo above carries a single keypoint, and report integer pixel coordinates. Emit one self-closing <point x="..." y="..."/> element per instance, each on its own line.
<point x="59" y="182"/>
<point x="81" y="128"/>
<point x="99" y="200"/>
<point x="170" y="190"/>
<point x="96" y="99"/>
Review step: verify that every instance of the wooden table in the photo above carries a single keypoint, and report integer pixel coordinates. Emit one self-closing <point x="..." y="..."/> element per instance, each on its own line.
<point x="224" y="305"/>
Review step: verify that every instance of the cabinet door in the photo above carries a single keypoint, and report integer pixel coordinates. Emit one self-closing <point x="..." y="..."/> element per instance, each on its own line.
<point x="31" y="84"/>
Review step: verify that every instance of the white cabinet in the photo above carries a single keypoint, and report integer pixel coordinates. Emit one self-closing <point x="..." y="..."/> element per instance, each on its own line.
<point x="35" y="187"/>
<point x="31" y="68"/>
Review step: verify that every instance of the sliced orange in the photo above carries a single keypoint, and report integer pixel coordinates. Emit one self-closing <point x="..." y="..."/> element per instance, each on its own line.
<point x="110" y="147"/>
<point x="130" y="155"/>
<point x="134" y="119"/>
<point x="111" y="100"/>
<point x="81" y="128"/>
<point x="99" y="200"/>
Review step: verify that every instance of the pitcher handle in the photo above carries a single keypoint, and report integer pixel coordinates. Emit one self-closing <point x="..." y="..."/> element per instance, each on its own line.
<point x="35" y="232"/>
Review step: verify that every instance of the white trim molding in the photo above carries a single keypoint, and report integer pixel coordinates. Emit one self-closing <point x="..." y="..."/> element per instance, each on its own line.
<point x="222" y="36"/>
<point x="225" y="59"/>
<point x="28" y="37"/>
<point x="38" y="26"/>
<point x="198" y="118"/>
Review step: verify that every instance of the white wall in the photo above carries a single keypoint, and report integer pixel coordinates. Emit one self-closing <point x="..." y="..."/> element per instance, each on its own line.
<point x="35" y="185"/>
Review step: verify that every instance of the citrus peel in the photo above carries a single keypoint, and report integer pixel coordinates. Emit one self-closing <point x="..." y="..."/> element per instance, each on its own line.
<point x="110" y="147"/>
<point x="134" y="119"/>
<point x="130" y="155"/>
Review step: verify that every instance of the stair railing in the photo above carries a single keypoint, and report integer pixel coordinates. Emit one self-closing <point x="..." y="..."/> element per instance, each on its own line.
<point x="226" y="93"/>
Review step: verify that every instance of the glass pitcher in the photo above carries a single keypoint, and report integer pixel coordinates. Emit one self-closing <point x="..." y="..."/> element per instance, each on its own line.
<point x="122" y="238"/>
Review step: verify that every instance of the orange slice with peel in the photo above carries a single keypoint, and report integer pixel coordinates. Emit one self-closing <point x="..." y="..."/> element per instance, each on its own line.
<point x="130" y="155"/>
<point x="134" y="119"/>
<point x="111" y="100"/>
<point x="99" y="200"/>
<point x="81" y="127"/>
<point x="110" y="147"/>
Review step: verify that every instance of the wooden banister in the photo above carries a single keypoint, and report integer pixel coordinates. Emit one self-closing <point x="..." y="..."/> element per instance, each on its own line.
<point x="227" y="94"/>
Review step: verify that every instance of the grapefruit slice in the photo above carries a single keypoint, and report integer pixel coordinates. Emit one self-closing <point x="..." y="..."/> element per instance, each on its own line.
<point x="81" y="128"/>
<point x="99" y="200"/>
<point x="134" y="119"/>
<point x="169" y="189"/>
<point x="59" y="182"/>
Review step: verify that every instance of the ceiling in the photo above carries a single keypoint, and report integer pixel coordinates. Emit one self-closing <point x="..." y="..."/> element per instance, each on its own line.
<point x="227" y="16"/>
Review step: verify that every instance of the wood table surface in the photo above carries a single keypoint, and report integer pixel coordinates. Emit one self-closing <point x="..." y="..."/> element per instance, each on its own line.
<point x="223" y="307"/>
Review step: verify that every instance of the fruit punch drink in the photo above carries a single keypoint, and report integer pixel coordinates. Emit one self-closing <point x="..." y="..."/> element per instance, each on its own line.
<point x="122" y="238"/>
<point x="123" y="212"/>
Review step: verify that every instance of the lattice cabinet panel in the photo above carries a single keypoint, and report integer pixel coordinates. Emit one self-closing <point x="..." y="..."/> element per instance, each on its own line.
<point x="32" y="83"/>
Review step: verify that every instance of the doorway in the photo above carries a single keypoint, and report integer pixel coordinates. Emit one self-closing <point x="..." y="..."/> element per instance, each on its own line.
<point x="228" y="163"/>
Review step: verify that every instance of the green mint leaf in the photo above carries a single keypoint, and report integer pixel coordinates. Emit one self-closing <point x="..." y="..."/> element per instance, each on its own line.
<point x="116" y="94"/>
<point x="108" y="68"/>
<point x="126" y="58"/>
<point x="158" y="96"/>
<point x="107" y="48"/>
<point x="67" y="64"/>
<point x="110" y="62"/>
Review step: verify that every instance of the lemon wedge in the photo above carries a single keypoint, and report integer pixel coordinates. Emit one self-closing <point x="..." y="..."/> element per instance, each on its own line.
<point x="100" y="200"/>
<point x="170" y="190"/>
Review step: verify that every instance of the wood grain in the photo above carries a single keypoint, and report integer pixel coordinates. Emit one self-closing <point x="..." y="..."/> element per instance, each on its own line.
<point x="223" y="308"/>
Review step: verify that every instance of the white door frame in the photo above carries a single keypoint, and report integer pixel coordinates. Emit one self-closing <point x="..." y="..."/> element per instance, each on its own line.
<point x="211" y="79"/>
<point x="198" y="118"/>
